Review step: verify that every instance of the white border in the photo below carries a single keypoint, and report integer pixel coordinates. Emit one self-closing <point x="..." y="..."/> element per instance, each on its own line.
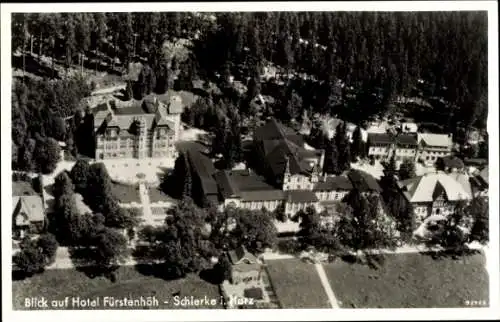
<point x="228" y="315"/>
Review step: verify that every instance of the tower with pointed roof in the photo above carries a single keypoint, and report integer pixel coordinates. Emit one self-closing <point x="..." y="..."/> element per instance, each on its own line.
<point x="286" y="174"/>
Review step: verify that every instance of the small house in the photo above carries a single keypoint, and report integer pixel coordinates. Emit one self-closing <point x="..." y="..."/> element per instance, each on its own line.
<point x="245" y="266"/>
<point x="28" y="216"/>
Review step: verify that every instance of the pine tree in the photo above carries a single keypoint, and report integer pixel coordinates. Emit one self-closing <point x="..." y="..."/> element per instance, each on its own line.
<point x="406" y="170"/>
<point x="330" y="165"/>
<point x="357" y="145"/>
<point x="343" y="148"/>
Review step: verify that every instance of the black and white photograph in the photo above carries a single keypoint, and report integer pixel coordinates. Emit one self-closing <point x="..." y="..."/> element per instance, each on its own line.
<point x="252" y="156"/>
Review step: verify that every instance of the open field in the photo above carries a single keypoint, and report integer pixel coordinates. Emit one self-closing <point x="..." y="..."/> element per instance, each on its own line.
<point x="125" y="193"/>
<point x="297" y="284"/>
<point x="410" y="281"/>
<point x="59" y="283"/>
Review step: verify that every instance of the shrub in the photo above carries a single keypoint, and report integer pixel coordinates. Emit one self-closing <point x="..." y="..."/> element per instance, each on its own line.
<point x="289" y="246"/>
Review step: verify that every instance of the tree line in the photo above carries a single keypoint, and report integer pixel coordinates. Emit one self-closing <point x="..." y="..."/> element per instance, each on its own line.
<point x="40" y="113"/>
<point x="383" y="52"/>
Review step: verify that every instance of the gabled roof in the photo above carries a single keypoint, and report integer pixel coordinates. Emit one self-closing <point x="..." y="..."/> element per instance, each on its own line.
<point x="246" y="185"/>
<point x="363" y="181"/>
<point x="439" y="191"/>
<point x="240" y="255"/>
<point x="286" y="151"/>
<point x="422" y="188"/>
<point x="204" y="169"/>
<point x="280" y="145"/>
<point x="464" y="180"/>
<point x="31" y="206"/>
<point x="337" y="183"/>
<point x="437" y="140"/>
<point x="226" y="186"/>
<point x="274" y="130"/>
<point x="124" y="118"/>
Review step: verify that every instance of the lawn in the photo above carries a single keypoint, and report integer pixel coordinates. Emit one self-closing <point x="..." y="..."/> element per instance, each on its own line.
<point x="21" y="188"/>
<point x="156" y="195"/>
<point x="297" y="284"/>
<point x="125" y="193"/>
<point x="410" y="281"/>
<point x="59" y="283"/>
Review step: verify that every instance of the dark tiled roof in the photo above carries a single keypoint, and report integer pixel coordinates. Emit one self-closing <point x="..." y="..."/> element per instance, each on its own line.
<point x="301" y="196"/>
<point x="254" y="293"/>
<point x="238" y="182"/>
<point x="380" y="138"/>
<point x="277" y="159"/>
<point x="278" y="143"/>
<point x="334" y="184"/>
<point x="407" y="139"/>
<point x="204" y="169"/>
<point x="387" y="139"/>
<point x="262" y="195"/>
<point x="363" y="181"/>
<point x="273" y="130"/>
<point x="239" y="253"/>
<point x="134" y="109"/>
<point x="226" y="186"/>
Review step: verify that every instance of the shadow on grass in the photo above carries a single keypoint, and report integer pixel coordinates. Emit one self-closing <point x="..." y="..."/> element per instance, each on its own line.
<point x="163" y="271"/>
<point x="373" y="261"/>
<point x="455" y="254"/>
<point x="82" y="261"/>
<point x="147" y="267"/>
<point x="212" y="276"/>
<point x="18" y="275"/>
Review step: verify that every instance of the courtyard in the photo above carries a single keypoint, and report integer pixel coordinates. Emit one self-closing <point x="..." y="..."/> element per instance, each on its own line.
<point x="132" y="171"/>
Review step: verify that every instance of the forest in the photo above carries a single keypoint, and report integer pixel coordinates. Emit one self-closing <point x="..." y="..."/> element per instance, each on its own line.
<point x="375" y="57"/>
